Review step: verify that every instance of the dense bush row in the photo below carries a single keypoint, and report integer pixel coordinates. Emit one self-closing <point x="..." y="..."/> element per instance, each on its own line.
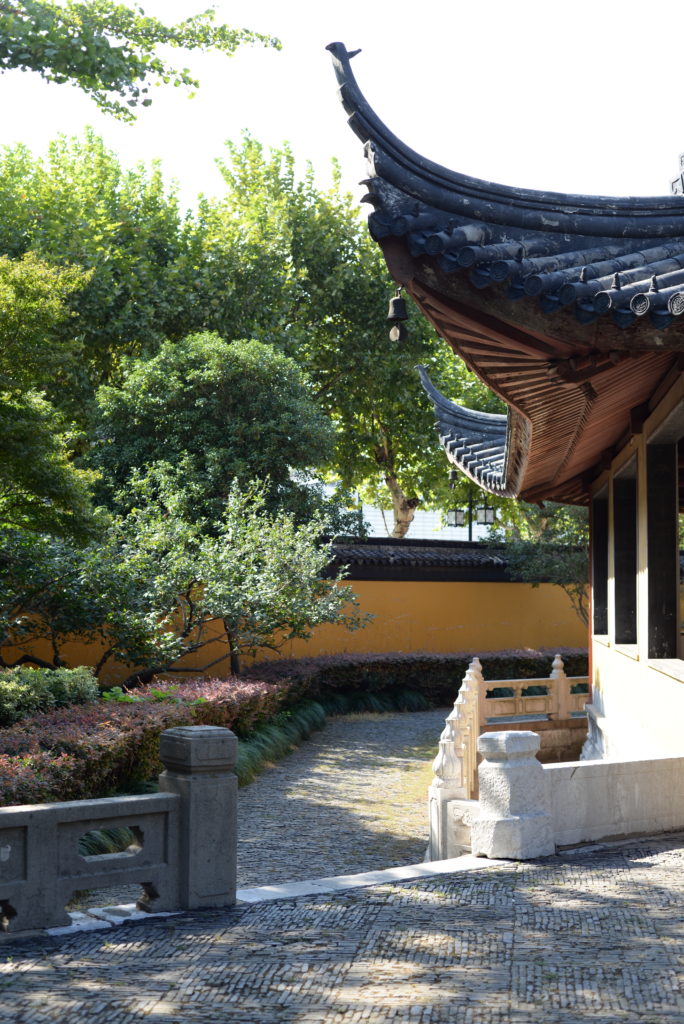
<point x="25" y="690"/>
<point x="90" y="750"/>
<point x="436" y="676"/>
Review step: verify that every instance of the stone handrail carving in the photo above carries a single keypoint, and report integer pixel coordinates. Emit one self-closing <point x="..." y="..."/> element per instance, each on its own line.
<point x="452" y="796"/>
<point x="558" y="702"/>
<point x="183" y="857"/>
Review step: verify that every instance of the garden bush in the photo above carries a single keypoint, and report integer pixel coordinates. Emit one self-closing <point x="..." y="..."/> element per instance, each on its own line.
<point x="26" y="691"/>
<point x="436" y="676"/>
<point x="93" y="750"/>
<point x="96" y="749"/>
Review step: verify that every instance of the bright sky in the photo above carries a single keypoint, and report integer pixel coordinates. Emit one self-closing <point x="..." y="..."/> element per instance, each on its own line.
<point x="581" y="97"/>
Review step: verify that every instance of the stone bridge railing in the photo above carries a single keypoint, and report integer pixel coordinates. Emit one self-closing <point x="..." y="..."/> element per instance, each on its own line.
<point x="564" y="696"/>
<point x="528" y="810"/>
<point x="185" y="839"/>
<point x="454" y="790"/>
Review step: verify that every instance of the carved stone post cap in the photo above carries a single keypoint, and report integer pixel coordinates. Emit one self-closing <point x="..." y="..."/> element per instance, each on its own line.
<point x="506" y="746"/>
<point x="198" y="748"/>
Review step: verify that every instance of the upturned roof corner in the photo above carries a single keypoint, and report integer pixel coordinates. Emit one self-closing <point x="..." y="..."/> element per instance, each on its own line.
<point x="570" y="307"/>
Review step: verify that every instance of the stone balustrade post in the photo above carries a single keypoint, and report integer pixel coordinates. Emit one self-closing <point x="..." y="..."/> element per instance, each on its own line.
<point x="200" y="768"/>
<point x="561" y="689"/>
<point x="514" y="820"/>
<point x="469" y="695"/>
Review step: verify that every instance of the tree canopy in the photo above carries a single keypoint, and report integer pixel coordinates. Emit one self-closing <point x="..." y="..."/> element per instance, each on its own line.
<point x="77" y="207"/>
<point x="40" y="488"/>
<point x="155" y="586"/>
<point x="549" y="543"/>
<point x="109" y="50"/>
<point x="315" y="284"/>
<point x="207" y="413"/>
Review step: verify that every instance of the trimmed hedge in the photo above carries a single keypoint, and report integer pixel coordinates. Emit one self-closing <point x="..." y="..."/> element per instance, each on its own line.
<point x="27" y="691"/>
<point x="436" y="676"/>
<point x="93" y="750"/>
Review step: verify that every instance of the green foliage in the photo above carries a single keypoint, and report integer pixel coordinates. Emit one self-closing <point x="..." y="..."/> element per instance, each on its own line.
<point x="33" y="302"/>
<point x="40" y="489"/>
<point x="437" y="677"/>
<point x="107" y="49"/>
<point x="78" y="208"/>
<point x="282" y="260"/>
<point x="26" y="691"/>
<point x="105" y="840"/>
<point x="550" y="544"/>
<point x="208" y="413"/>
<point x="151" y="588"/>
<point x="94" y="750"/>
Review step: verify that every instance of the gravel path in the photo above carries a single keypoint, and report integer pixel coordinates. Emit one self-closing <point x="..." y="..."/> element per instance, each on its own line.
<point x="352" y="798"/>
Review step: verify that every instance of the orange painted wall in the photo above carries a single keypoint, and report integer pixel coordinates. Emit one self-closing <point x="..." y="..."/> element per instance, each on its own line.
<point x="452" y="616"/>
<point x="420" y="616"/>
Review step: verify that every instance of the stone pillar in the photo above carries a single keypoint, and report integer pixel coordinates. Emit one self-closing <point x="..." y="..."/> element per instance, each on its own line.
<point x="200" y="769"/>
<point x="561" y="690"/>
<point x="599" y="564"/>
<point x="663" y="550"/>
<point x="514" y="820"/>
<point x="625" y="558"/>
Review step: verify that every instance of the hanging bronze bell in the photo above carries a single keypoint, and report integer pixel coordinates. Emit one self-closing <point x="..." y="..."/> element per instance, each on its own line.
<point x="397" y="308"/>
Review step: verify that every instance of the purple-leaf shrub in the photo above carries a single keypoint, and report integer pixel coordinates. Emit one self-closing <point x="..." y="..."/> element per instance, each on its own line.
<point x="82" y="752"/>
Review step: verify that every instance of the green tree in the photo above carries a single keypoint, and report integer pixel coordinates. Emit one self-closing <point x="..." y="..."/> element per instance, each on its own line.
<point x="40" y="489"/>
<point x="107" y="49"/>
<point x="77" y="207"/>
<point x="155" y="586"/>
<point x="204" y="413"/>
<point x="548" y="543"/>
<point x="302" y="272"/>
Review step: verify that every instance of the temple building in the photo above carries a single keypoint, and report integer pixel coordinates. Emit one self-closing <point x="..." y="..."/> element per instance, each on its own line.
<point x="570" y="308"/>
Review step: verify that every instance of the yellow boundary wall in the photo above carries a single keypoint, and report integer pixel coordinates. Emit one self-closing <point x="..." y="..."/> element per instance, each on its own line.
<point x="431" y="616"/>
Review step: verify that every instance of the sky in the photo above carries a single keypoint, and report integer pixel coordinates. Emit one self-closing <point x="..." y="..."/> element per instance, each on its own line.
<point x="573" y="98"/>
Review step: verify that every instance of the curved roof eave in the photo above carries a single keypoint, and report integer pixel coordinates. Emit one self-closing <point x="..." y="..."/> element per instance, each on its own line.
<point x="427" y="181"/>
<point x="478" y="443"/>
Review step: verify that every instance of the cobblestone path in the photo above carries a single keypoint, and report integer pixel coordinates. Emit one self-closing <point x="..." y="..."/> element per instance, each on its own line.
<point x="352" y="798"/>
<point x="591" y="937"/>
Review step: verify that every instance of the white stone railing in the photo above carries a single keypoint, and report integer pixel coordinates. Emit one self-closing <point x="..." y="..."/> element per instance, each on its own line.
<point x="527" y="809"/>
<point x="454" y="785"/>
<point x="452" y="796"/>
<point x="559" y="702"/>
<point x="185" y="839"/>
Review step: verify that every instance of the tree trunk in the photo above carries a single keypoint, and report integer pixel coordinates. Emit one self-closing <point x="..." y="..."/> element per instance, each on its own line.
<point x="404" y="508"/>
<point x="234" y="652"/>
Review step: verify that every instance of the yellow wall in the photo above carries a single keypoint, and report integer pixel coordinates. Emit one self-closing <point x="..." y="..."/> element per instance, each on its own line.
<point x="450" y="616"/>
<point x="428" y="616"/>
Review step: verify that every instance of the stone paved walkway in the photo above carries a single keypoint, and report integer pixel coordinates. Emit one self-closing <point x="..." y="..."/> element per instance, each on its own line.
<point x="352" y="798"/>
<point x="595" y="936"/>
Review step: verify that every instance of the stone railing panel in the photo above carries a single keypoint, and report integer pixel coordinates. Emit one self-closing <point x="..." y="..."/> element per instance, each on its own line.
<point x="558" y="702"/>
<point x="41" y="867"/>
<point x="184" y="850"/>
<point x="452" y="796"/>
